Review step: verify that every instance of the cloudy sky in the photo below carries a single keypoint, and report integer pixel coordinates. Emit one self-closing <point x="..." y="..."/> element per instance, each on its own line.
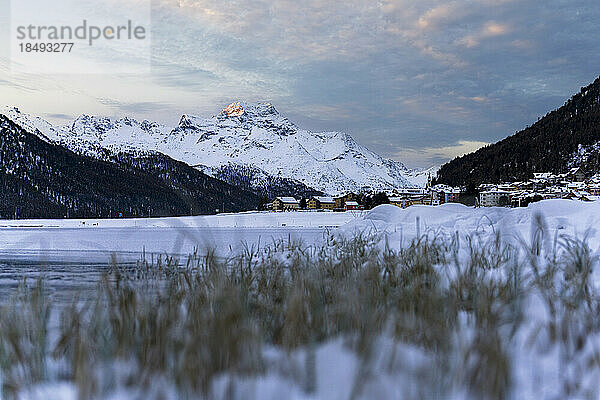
<point x="417" y="81"/>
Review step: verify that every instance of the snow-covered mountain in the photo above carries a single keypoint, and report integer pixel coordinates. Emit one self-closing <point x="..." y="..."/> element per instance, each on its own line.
<point x="254" y="136"/>
<point x="40" y="179"/>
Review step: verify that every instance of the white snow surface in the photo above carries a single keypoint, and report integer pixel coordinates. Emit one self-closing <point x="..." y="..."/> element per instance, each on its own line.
<point x="563" y="217"/>
<point x="253" y="135"/>
<point x="96" y="239"/>
<point x="250" y="219"/>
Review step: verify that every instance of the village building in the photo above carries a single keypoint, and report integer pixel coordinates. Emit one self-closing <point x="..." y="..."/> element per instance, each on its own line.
<point x="410" y="192"/>
<point x="341" y="200"/>
<point x="486" y="186"/>
<point x="321" y="203"/>
<point x="440" y="194"/>
<point x="494" y="198"/>
<point x="576" y="174"/>
<point x="285" y="204"/>
<point x="352" y="205"/>
<point x="582" y="196"/>
<point x="451" y="195"/>
<point x="398" y="201"/>
<point x="412" y="197"/>
<point x="594" y="189"/>
<point x="417" y="201"/>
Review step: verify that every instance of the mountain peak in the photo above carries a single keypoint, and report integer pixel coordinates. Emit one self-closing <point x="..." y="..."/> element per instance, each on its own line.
<point x="238" y="109"/>
<point x="31" y="124"/>
<point x="235" y="109"/>
<point x="88" y="124"/>
<point x="262" y="115"/>
<point x="9" y="109"/>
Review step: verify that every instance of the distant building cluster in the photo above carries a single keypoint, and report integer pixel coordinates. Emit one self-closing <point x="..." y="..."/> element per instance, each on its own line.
<point x="571" y="185"/>
<point x="346" y="202"/>
<point x="404" y="198"/>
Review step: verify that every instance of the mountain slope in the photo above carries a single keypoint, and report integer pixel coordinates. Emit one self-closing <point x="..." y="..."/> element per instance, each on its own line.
<point x="259" y="182"/>
<point x="41" y="179"/>
<point x="564" y="138"/>
<point x="250" y="136"/>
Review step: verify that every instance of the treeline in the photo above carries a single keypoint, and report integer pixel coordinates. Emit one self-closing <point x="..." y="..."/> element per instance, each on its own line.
<point x="550" y="145"/>
<point x="44" y="180"/>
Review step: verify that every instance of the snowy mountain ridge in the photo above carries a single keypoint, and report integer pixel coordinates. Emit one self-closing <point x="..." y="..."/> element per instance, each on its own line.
<point x="253" y="136"/>
<point x="41" y="179"/>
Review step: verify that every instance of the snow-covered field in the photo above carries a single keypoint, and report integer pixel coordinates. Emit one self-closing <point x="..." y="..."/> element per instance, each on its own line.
<point x="163" y="235"/>
<point x="251" y="219"/>
<point x="561" y="217"/>
<point x="166" y="234"/>
<point x="128" y="238"/>
<point x="489" y="303"/>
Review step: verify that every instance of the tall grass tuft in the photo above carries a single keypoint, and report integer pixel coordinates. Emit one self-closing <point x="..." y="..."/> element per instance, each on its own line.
<point x="24" y="338"/>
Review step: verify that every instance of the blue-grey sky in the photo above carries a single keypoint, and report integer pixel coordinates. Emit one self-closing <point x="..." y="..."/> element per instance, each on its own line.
<point x="417" y="81"/>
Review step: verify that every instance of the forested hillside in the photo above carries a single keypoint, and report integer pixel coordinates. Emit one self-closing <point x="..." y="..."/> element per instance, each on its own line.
<point x="564" y="138"/>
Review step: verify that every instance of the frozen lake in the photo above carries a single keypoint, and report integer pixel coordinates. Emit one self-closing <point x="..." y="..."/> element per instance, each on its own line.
<point x="73" y="259"/>
<point x="96" y="244"/>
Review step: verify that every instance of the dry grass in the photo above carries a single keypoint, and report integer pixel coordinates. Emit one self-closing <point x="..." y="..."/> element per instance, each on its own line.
<point x="187" y="323"/>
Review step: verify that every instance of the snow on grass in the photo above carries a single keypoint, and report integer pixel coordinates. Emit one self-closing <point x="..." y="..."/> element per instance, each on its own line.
<point x="428" y="302"/>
